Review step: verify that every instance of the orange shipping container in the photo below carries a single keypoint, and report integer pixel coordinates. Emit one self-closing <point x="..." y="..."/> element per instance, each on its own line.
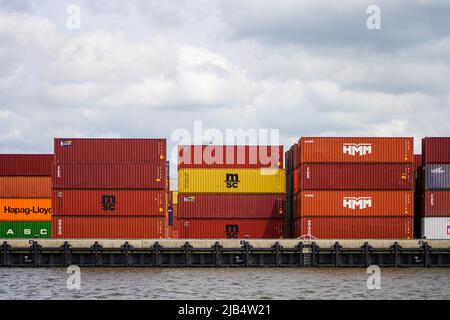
<point x="25" y="187"/>
<point x="25" y="209"/>
<point x="381" y="150"/>
<point x="355" y="203"/>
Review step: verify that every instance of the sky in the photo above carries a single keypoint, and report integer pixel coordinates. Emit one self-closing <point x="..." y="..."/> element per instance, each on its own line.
<point x="143" y="68"/>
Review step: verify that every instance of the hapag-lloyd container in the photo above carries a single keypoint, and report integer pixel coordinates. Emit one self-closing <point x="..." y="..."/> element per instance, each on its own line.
<point x="435" y="204"/>
<point x="355" y="227"/>
<point x="219" y="156"/>
<point x="79" y="227"/>
<point x="357" y="176"/>
<point x="435" y="177"/>
<point x="354" y="149"/>
<point x="25" y="187"/>
<point x="109" y="202"/>
<point x="25" y="209"/>
<point x="26" y="164"/>
<point x="354" y="203"/>
<point x="232" y="206"/>
<point x="144" y="175"/>
<point x="88" y="150"/>
<point x="436" y="150"/>
<point x="230" y="228"/>
<point x="25" y="229"/>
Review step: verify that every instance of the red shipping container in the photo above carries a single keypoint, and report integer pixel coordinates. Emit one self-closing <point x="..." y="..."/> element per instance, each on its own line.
<point x="230" y="228"/>
<point x="241" y="206"/>
<point x="296" y="186"/>
<point x="355" y="228"/>
<point x="355" y="203"/>
<point x="296" y="155"/>
<point x="436" y="150"/>
<point x="74" y="202"/>
<point x="354" y="150"/>
<point x="109" y="175"/>
<point x="357" y="176"/>
<point x="211" y="156"/>
<point x="435" y="204"/>
<point x="109" y="150"/>
<point x="78" y="227"/>
<point x="418" y="161"/>
<point x="26" y="165"/>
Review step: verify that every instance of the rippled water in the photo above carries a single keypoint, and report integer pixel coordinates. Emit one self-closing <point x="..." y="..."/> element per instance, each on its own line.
<point x="291" y="283"/>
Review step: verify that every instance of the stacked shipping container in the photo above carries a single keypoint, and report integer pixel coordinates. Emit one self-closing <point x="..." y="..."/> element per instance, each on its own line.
<point x="230" y="192"/>
<point x="434" y="186"/>
<point x="354" y="188"/>
<point x="25" y="196"/>
<point x="109" y="188"/>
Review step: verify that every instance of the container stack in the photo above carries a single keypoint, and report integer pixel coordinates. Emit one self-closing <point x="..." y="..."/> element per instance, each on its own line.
<point x="25" y="195"/>
<point x="291" y="160"/>
<point x="173" y="214"/>
<point x="355" y="188"/>
<point x="109" y="188"/>
<point x="434" y="183"/>
<point x="231" y="192"/>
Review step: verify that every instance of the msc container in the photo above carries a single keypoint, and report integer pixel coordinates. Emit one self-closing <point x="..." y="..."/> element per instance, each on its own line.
<point x="355" y="228"/>
<point x="357" y="176"/>
<point x="435" y="177"/>
<point x="77" y="227"/>
<point x="435" y="204"/>
<point x="355" y="203"/>
<point x="26" y="164"/>
<point x="436" y="150"/>
<point x="212" y="156"/>
<point x="109" y="202"/>
<point x="435" y="228"/>
<point x="231" y="180"/>
<point x="25" y="187"/>
<point x="351" y="149"/>
<point x="230" y="228"/>
<point x="25" y="209"/>
<point x="109" y="175"/>
<point x="25" y="229"/>
<point x="232" y="206"/>
<point x="109" y="150"/>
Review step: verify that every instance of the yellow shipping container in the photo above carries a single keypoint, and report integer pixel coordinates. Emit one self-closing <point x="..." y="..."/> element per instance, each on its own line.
<point x="175" y="197"/>
<point x="25" y="209"/>
<point x="231" y="180"/>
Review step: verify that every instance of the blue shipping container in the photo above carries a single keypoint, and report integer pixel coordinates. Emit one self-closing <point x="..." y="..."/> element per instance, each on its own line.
<point x="436" y="177"/>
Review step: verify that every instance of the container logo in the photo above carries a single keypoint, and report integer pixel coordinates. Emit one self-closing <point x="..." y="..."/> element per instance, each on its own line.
<point x="66" y="143"/>
<point x="27" y="211"/>
<point x="357" y="203"/>
<point x="232" y="180"/>
<point x="354" y="149"/>
<point x="231" y="231"/>
<point x="439" y="170"/>
<point x="109" y="202"/>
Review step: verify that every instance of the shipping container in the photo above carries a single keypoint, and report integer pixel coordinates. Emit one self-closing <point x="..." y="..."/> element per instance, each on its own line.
<point x="230" y="228"/>
<point x="435" y="204"/>
<point x="355" y="228"/>
<point x="357" y="176"/>
<point x="418" y="161"/>
<point x="435" y="177"/>
<point x="435" y="228"/>
<point x="25" y="209"/>
<point x="436" y="150"/>
<point x="74" y="202"/>
<point x="109" y="175"/>
<point x="296" y="180"/>
<point x="288" y="161"/>
<point x="25" y="229"/>
<point x="231" y="181"/>
<point x="244" y="157"/>
<point x="296" y="155"/>
<point x="109" y="150"/>
<point x="355" y="203"/>
<point x="82" y="227"/>
<point x="26" y="164"/>
<point x="354" y="150"/>
<point x="25" y="187"/>
<point x="232" y="206"/>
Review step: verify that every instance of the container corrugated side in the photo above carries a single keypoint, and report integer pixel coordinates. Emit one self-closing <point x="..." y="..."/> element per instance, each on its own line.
<point x="25" y="187"/>
<point x="25" y="209"/>
<point x="231" y="206"/>
<point x="113" y="227"/>
<point x="435" y="204"/>
<point x="355" y="227"/>
<point x="231" y="181"/>
<point x="435" y="177"/>
<point x="25" y="229"/>
<point x="436" y="150"/>
<point x="26" y="164"/>
<point x="435" y="228"/>
<point x="75" y="202"/>
<point x="357" y="176"/>
<point x="356" y="150"/>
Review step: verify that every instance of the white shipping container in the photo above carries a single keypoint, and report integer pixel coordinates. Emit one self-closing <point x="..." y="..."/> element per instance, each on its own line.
<point x="436" y="228"/>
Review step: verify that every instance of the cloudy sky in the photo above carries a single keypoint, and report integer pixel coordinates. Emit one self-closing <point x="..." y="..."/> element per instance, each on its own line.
<point x="146" y="68"/>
